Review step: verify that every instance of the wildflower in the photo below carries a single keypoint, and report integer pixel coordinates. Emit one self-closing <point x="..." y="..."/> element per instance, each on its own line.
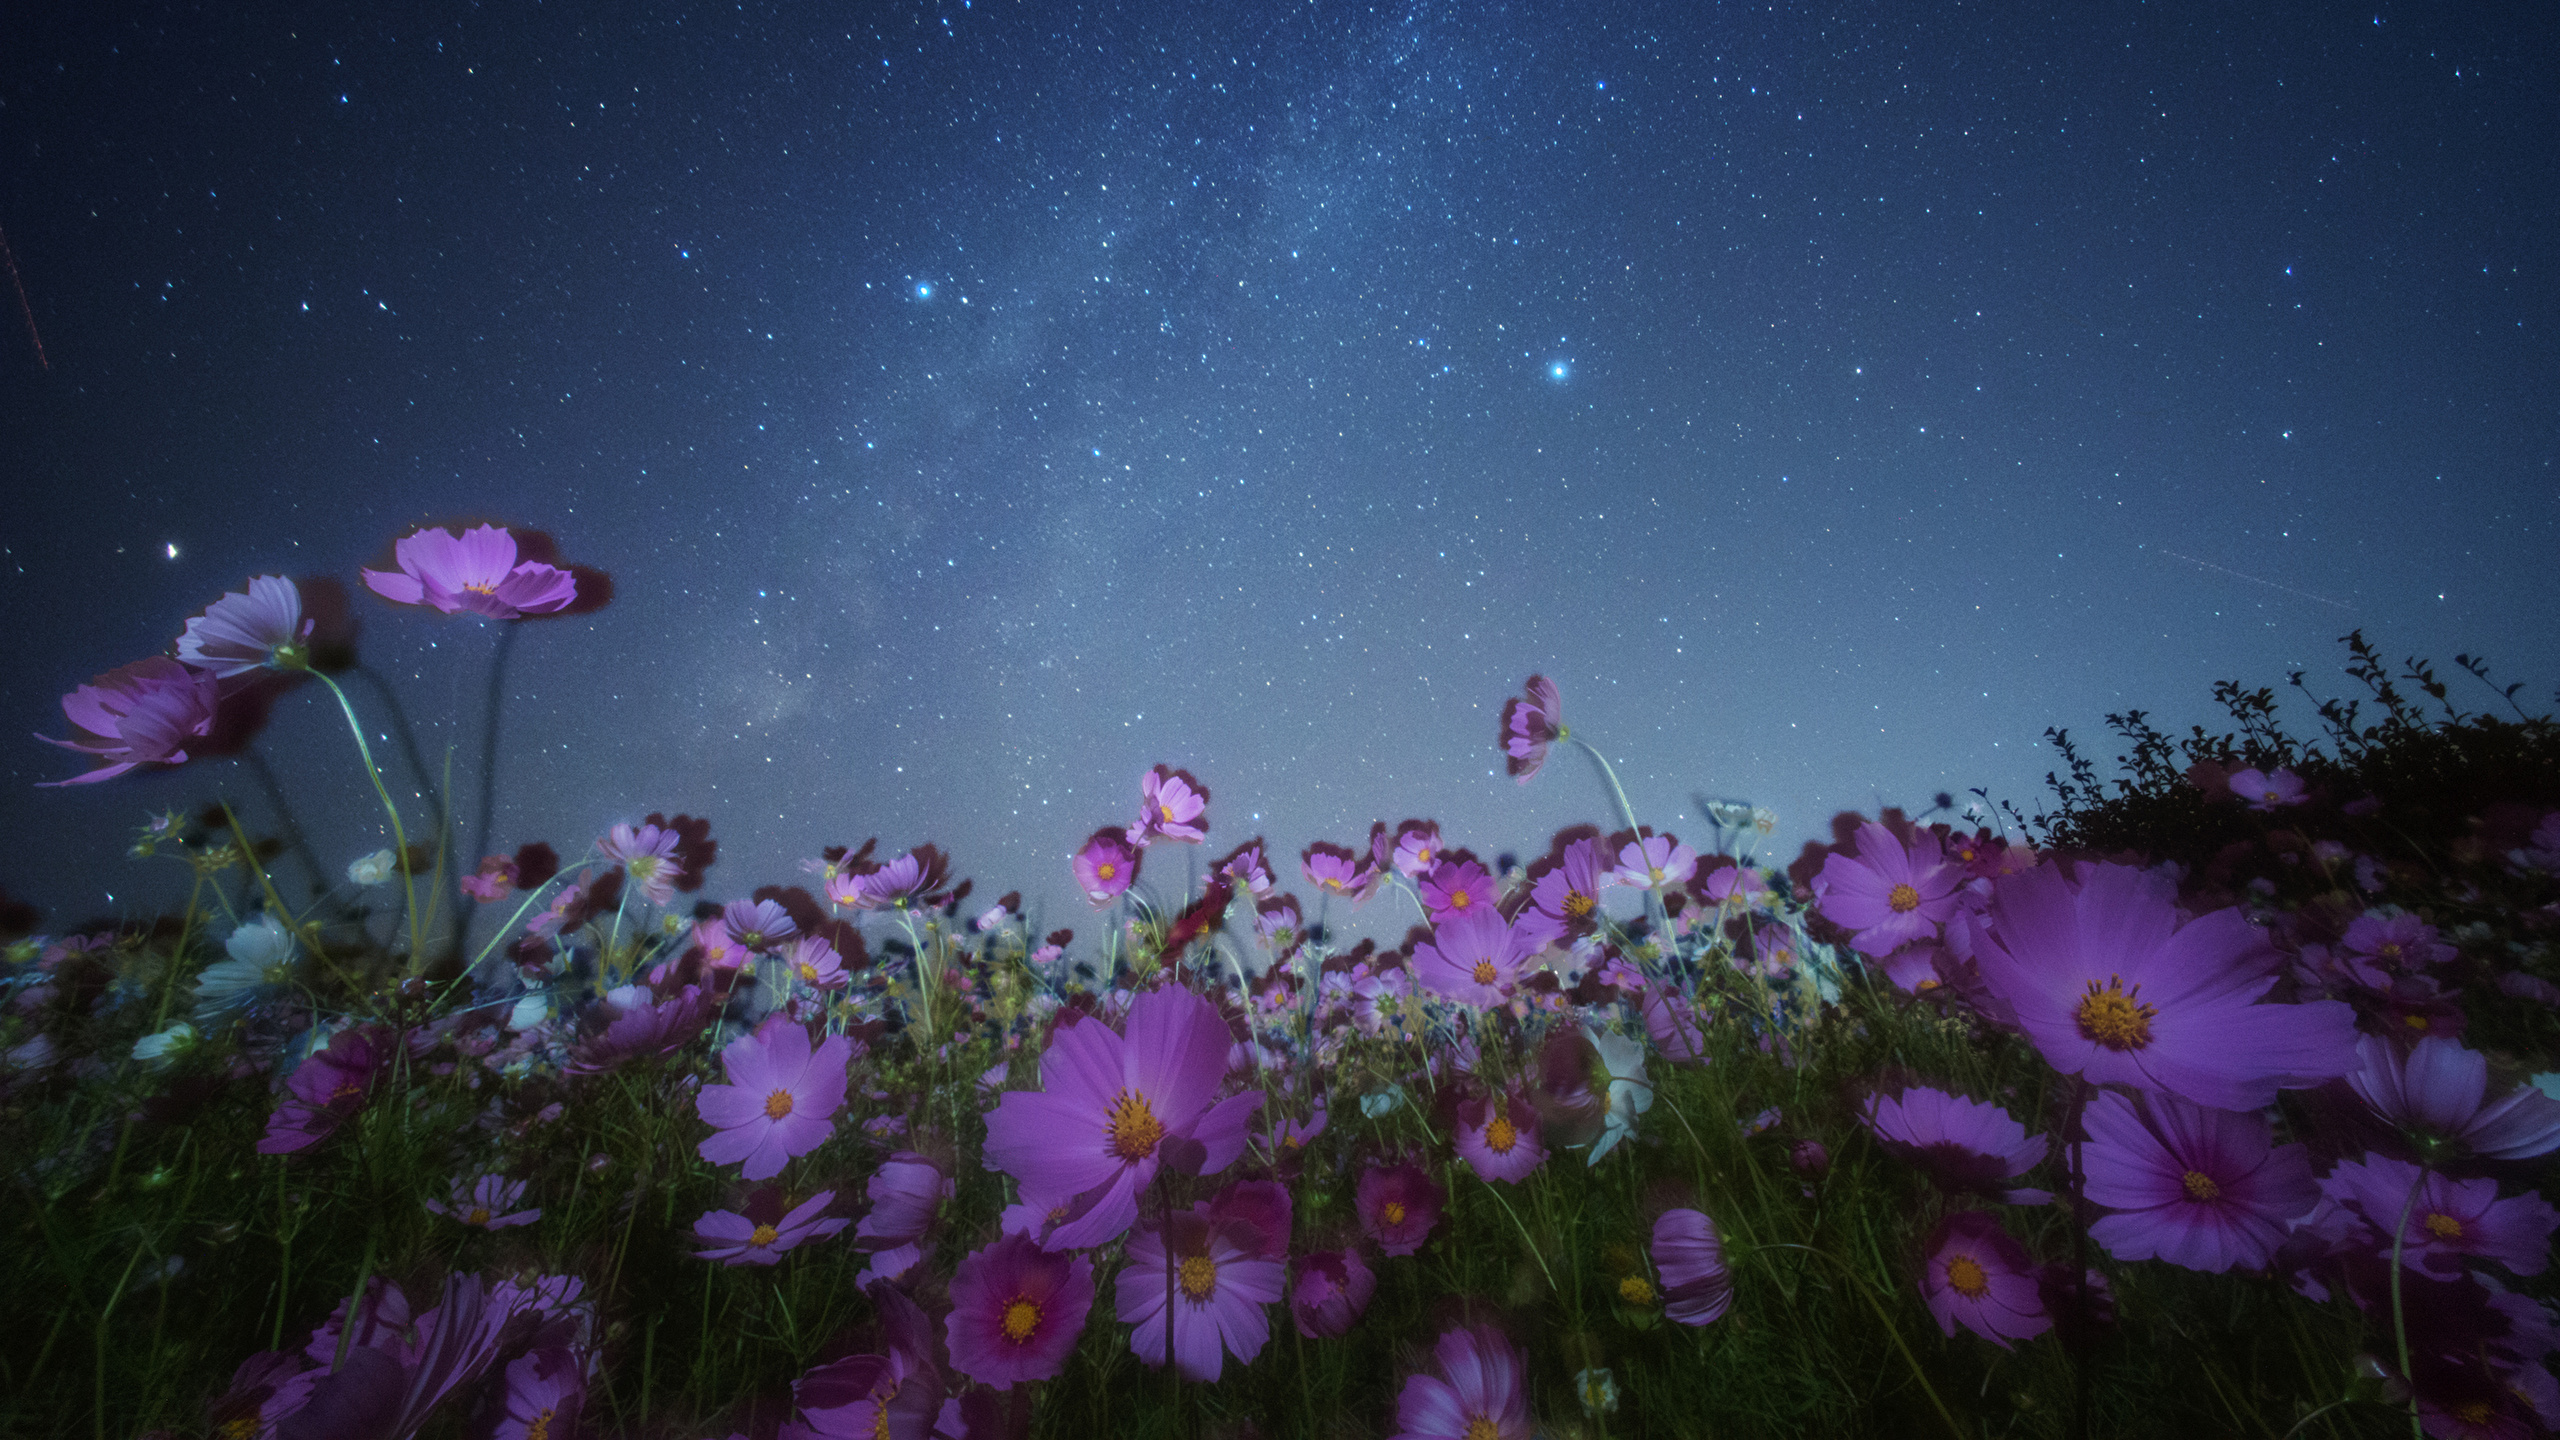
<point x="1809" y="1159"/>
<point x="1689" y="1256"/>
<point x="2206" y="1189"/>
<point x="1477" y="1394"/>
<point x="1417" y="848"/>
<point x="2073" y="960"/>
<point x="719" y="950"/>
<point x="1474" y="957"/>
<point x="1654" y="862"/>
<point x="138" y="714"/>
<point x="2267" y="792"/>
<point x="491" y="882"/>
<point x="1219" y="1283"/>
<point x="1335" y="869"/>
<point x="1978" y="1277"/>
<point x="1628" y="1094"/>
<point x="759" y="925"/>
<point x="1890" y="894"/>
<point x="1566" y="888"/>
<point x="546" y="1391"/>
<point x="487" y="1204"/>
<point x="648" y="856"/>
<point x="326" y="1089"/>
<point x="1738" y="888"/>
<point x="760" y="1236"/>
<point x="1672" y="1024"/>
<point x="891" y="1396"/>
<point x="1398" y="1205"/>
<point x="374" y="869"/>
<point x="814" y="963"/>
<point x="2390" y="945"/>
<point x="1328" y="1292"/>
<point x="1170" y="803"/>
<point x="161" y="1048"/>
<point x="1109" y="1104"/>
<point x="2451" y="1218"/>
<point x="1456" y="886"/>
<point x="1967" y="1146"/>
<point x="1106" y="865"/>
<point x="1248" y="866"/>
<point x="477" y="571"/>
<point x="386" y="1391"/>
<point x="1597" y="1389"/>
<point x="913" y="881"/>
<point x="1016" y="1311"/>
<point x="2439" y="1089"/>
<point x="905" y="1192"/>
<point x="263" y="629"/>
<point x="630" y="1022"/>
<point x="1497" y="1136"/>
<point x="778" y="1100"/>
<point x="263" y="965"/>
<point x="1530" y="723"/>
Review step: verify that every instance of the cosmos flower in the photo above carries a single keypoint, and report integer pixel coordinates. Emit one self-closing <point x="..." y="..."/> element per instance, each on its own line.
<point x="1696" y="1287"/>
<point x="1455" y="887"/>
<point x="2440" y="1089"/>
<point x="1497" y="1136"/>
<point x="263" y="629"/>
<point x="913" y="881"/>
<point x="1671" y="1022"/>
<point x="486" y="1204"/>
<point x="1170" y="804"/>
<point x="2206" y="1189"/>
<point x="2451" y="1218"/>
<point x="1628" y="1093"/>
<point x="1889" y="893"/>
<point x="476" y="571"/>
<point x="325" y="1090"/>
<point x="374" y="869"/>
<point x="546" y="1390"/>
<point x="759" y="925"/>
<point x="1531" y="722"/>
<point x="1654" y="862"/>
<point x="162" y="1048"/>
<point x="1248" y="867"/>
<point x="390" y="1389"/>
<point x="814" y="963"/>
<point x="1967" y="1146"/>
<point x="1220" y="1284"/>
<point x="906" y="1193"/>
<point x="1106" y="866"/>
<point x="1107" y="1106"/>
<point x="1335" y="869"/>
<point x="1328" y="1292"/>
<point x="630" y="1022"/>
<point x="1474" y="957"/>
<point x="2074" y="961"/>
<point x="746" y="1240"/>
<point x="495" y="877"/>
<point x="1566" y="889"/>
<point x="262" y="968"/>
<point x="1977" y="1277"/>
<point x="1476" y="1395"/>
<point x="144" y="713"/>
<point x="2393" y="944"/>
<point x="1417" y="848"/>
<point x="2267" y="792"/>
<point x="778" y="1100"/>
<point x="648" y="856"/>
<point x="1398" y="1205"/>
<point x="1016" y="1311"/>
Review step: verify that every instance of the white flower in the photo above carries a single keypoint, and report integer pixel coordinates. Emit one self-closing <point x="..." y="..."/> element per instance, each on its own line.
<point x="263" y="941"/>
<point x="373" y="869"/>
<point x="160" y="1047"/>
<point x="531" y="1010"/>
<point x="261" y="966"/>
<point x="1630" y="1094"/>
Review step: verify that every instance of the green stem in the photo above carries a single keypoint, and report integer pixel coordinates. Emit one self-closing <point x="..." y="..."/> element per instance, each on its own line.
<point x="399" y="835"/>
<point x="99" y="1383"/>
<point x="1890" y="1329"/>
<point x="2399" y="1320"/>
<point x="1654" y="908"/>
<point x="355" y="1305"/>
<point x="1534" y="1252"/>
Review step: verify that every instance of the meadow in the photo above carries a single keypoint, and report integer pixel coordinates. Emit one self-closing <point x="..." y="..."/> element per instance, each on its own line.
<point x="2216" y="1100"/>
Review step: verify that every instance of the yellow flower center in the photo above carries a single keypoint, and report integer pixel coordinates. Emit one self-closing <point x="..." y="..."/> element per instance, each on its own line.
<point x="1635" y="1291"/>
<point x="1106" y="870"/>
<point x="1021" y="1318"/>
<point x="1501" y="1135"/>
<point x="1576" y="904"/>
<point x="1199" y="1276"/>
<point x="764" y="1236"/>
<point x="1656" y="874"/>
<point x="2113" y="1018"/>
<point x="1134" y="1128"/>
<point x="2387" y="951"/>
<point x="1166" y="811"/>
<point x="1483" y="1428"/>
<point x="2474" y="1412"/>
<point x="808" y="972"/>
<point x="1392" y="1212"/>
<point x="1965" y="1274"/>
<point x="479" y="1216"/>
<point x="1458" y="901"/>
<point x="1422" y="856"/>
<point x="1904" y="899"/>
<point x="777" y="1104"/>
<point x="2274" y="797"/>
<point x="241" y="1429"/>
<point x="643" y="867"/>
<point x="2443" y="1226"/>
<point x="2200" y="1186"/>
<point x="540" y="1426"/>
<point x="1485" y="973"/>
<point x="2414" y="1022"/>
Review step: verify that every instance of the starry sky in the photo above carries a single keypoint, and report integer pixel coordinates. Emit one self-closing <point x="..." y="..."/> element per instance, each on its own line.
<point x="978" y="403"/>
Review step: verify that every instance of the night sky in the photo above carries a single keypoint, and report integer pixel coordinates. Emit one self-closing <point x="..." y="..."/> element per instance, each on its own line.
<point x="976" y="404"/>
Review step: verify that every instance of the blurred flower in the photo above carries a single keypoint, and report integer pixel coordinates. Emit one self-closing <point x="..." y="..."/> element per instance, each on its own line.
<point x="138" y="714"/>
<point x="1016" y="1312"/>
<point x="1398" y="1204"/>
<point x="1106" y="865"/>
<point x="1977" y="1277"/>
<point x="161" y="1048"/>
<point x="1654" y="862"/>
<point x="2439" y="1089"/>
<point x="1629" y="1093"/>
<point x="778" y="1100"/>
<point x="1170" y="804"/>
<point x="326" y="1089"/>
<point x="1328" y="1292"/>
<point x="906" y="1193"/>
<point x="1497" y="1136"/>
<point x="1967" y="1146"/>
<point x="2391" y="945"/>
<point x="495" y="877"/>
<point x="2450" y="1219"/>
<point x="1672" y="1024"/>
<point x="2266" y="792"/>
<point x="1477" y="1393"/>
<point x="487" y="1204"/>
<point x="2206" y="1189"/>
<point x="746" y="1240"/>
<point x="261" y="630"/>
<point x="546" y="1391"/>
<point x="913" y="881"/>
<point x="1530" y="723"/>
<point x="1597" y="1390"/>
<point x="1220" y="1283"/>
<point x="261" y="970"/>
<point x="1889" y="893"/>
<point x="477" y="571"/>
<point x="759" y="925"/>
<point x="648" y="856"/>
<point x="374" y="869"/>
<point x="630" y="1022"/>
<point x="1689" y="1256"/>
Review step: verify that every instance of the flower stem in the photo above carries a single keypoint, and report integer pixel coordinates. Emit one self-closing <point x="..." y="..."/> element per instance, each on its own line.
<point x="2399" y="1319"/>
<point x="1654" y="908"/>
<point x="1889" y="1328"/>
<point x="399" y="835"/>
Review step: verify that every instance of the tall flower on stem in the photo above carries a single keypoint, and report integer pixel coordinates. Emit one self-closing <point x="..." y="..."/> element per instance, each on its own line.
<point x="1170" y="804"/>
<point x="1106" y="866"/>
<point x="1531" y="721"/>
<point x="477" y="571"/>
<point x="263" y="629"/>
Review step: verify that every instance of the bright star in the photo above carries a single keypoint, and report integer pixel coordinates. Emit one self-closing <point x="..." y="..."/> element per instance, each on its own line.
<point x="1559" y="371"/>
<point x="924" y="289"/>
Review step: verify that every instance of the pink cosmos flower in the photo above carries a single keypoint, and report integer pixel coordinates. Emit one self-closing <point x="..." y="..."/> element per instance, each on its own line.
<point x="1170" y="804"/>
<point x="263" y="629"/>
<point x="648" y="855"/>
<point x="546" y="1391"/>
<point x="476" y="571"/>
<point x="720" y="950"/>
<point x="630" y="1022"/>
<point x="1398" y="1205"/>
<point x="1474" y="957"/>
<point x="2267" y="792"/>
<point x="2440" y="1089"/>
<point x="1696" y="1287"/>
<point x="1967" y="1146"/>
<point x="1656" y="861"/>
<point x="1530" y="723"/>
<point x="1477" y="1394"/>
<point x="2392" y="945"/>
<point x="1890" y="894"/>
<point x="495" y="877"/>
<point x="486" y="1204"/>
<point x="391" y="1388"/>
<point x="1977" y="1277"/>
<point x="144" y="713"/>
<point x="1417" y="848"/>
<point x="1016" y="1311"/>
<point x="1497" y="1136"/>
<point x="1329" y="1290"/>
<point x="2206" y="1189"/>
<point x="1106" y="865"/>
<point x="759" y="925"/>
<point x="1248" y="867"/>
<point x="778" y="1101"/>
<point x="1107" y="1106"/>
<point x="814" y="963"/>
<point x="1334" y="868"/>
<point x="760" y="1236"/>
<point x="913" y="881"/>
<point x="2074" y="960"/>
<point x="2452" y="1218"/>
<point x="1455" y="887"/>
<point x="1738" y="888"/>
<point x="1220" y="1281"/>
<point x="1567" y="888"/>
<point x="906" y="1193"/>
<point x="327" y="1089"/>
<point x="1672" y="1023"/>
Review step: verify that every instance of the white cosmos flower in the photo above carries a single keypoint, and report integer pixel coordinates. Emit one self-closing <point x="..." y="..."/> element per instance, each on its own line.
<point x="373" y="869"/>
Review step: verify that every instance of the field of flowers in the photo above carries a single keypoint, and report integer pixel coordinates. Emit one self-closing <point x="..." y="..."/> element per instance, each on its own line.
<point x="2224" y="1107"/>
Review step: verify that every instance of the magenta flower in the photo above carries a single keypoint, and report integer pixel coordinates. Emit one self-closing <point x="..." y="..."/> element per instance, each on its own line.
<point x="1498" y="1136"/>
<point x="1672" y="1023"/>
<point x="1967" y="1146"/>
<point x="1977" y="1277"/>
<point x="1477" y="1394"/>
<point x="759" y="925"/>
<point x="2394" y="944"/>
<point x="1474" y="957"/>
<point x="2206" y="1189"/>
<point x="760" y="1236"/>
<point x="1334" y="868"/>
<point x="1530" y="723"/>
<point x="1417" y="848"/>
<point x="629" y="1023"/>
<point x="1328" y="1292"/>
<point x="1567" y="888"/>
<point x="814" y="963"/>
<point x="380" y="1391"/>
<point x="1398" y="1205"/>
<point x="476" y="571"/>
<point x="648" y="856"/>
<point x="1107" y="1106"/>
<point x="1220" y="1283"/>
<point x="913" y="881"/>
<point x="1016" y="1311"/>
<point x="327" y="1089"/>
<point x="906" y="1193"/>
<point x="487" y="1204"/>
<point x="138" y="714"/>
<point x="1106" y="865"/>
<point x="546" y="1390"/>
<point x="495" y="877"/>
<point x="1456" y="887"/>
<point x="263" y="629"/>
<point x="2073" y="960"/>
<point x="778" y="1100"/>
<point x="1656" y="861"/>
<point x="1170" y="804"/>
<point x="1890" y="894"/>
<point x="1248" y="867"/>
<point x="1696" y="1287"/>
<point x="2439" y="1089"/>
<point x="2451" y="1218"/>
<point x="2266" y="792"/>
